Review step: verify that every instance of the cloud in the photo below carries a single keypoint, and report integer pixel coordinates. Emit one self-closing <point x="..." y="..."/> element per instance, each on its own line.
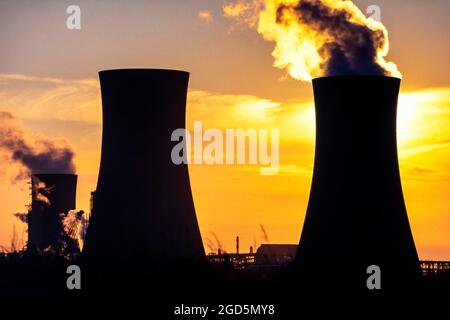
<point x="429" y="147"/>
<point x="230" y="110"/>
<point x="246" y="11"/>
<point x="283" y="170"/>
<point x="205" y="16"/>
<point x="22" y="77"/>
<point x="40" y="98"/>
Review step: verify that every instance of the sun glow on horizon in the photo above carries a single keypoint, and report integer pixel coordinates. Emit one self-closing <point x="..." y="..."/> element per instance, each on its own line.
<point x="423" y="116"/>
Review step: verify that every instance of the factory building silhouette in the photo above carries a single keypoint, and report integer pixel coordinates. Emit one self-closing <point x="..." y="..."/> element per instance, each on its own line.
<point x="143" y="203"/>
<point x="51" y="195"/>
<point x="356" y="214"/>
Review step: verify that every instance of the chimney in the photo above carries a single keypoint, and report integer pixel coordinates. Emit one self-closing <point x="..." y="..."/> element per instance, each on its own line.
<point x="143" y="203"/>
<point x="44" y="222"/>
<point x="356" y="214"/>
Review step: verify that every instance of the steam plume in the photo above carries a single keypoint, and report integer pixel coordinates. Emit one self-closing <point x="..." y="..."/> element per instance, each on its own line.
<point x="218" y="242"/>
<point x="22" y="216"/>
<point x="264" y="233"/>
<point x="36" y="156"/>
<point x="210" y="244"/>
<point x="315" y="38"/>
<point x="75" y="225"/>
<point x="41" y="190"/>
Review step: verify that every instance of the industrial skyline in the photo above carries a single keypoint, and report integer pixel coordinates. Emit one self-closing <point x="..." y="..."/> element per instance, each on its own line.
<point x="48" y="81"/>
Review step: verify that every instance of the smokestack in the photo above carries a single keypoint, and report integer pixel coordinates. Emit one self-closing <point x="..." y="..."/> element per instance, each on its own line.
<point x="356" y="214"/>
<point x="52" y="194"/>
<point x="143" y="204"/>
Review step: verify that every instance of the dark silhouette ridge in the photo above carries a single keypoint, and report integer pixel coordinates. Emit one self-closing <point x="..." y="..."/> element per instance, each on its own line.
<point x="356" y="214"/>
<point x="143" y="204"/>
<point x="44" y="222"/>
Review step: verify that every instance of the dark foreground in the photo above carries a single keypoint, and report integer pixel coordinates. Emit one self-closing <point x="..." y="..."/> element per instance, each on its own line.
<point x="184" y="289"/>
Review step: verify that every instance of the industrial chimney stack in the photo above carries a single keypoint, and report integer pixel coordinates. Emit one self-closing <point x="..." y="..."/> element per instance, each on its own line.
<point x="44" y="221"/>
<point x="143" y="203"/>
<point x="356" y="215"/>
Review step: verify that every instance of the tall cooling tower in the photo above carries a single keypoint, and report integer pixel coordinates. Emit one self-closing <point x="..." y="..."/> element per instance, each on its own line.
<point x="356" y="214"/>
<point x="143" y="204"/>
<point x="52" y="194"/>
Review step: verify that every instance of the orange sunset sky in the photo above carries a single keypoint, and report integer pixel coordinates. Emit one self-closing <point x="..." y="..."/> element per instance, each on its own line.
<point x="48" y="80"/>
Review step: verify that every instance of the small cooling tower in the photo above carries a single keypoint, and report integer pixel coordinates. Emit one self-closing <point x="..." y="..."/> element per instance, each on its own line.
<point x="143" y="203"/>
<point x="356" y="214"/>
<point x="52" y="194"/>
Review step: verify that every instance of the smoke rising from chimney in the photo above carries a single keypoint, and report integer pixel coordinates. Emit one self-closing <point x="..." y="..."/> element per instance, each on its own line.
<point x="264" y="233"/>
<point x="41" y="155"/>
<point x="218" y="242"/>
<point x="41" y="190"/>
<point x="210" y="244"/>
<point x="74" y="225"/>
<point x="315" y="38"/>
<point x="22" y="216"/>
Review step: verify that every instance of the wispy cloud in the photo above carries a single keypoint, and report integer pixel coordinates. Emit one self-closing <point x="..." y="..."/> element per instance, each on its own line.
<point x="247" y="11"/>
<point x="40" y="98"/>
<point x="429" y="147"/>
<point x="205" y="16"/>
<point x="424" y="173"/>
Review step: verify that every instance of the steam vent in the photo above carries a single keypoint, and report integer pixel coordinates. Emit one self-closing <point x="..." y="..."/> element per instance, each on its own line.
<point x="356" y="214"/>
<point x="143" y="204"/>
<point x="51" y="195"/>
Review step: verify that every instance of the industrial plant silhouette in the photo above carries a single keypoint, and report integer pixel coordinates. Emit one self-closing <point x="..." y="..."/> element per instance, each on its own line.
<point x="52" y="194"/>
<point x="143" y="228"/>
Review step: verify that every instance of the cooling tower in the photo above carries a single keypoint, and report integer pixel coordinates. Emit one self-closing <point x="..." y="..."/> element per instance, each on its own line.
<point x="143" y="203"/>
<point x="356" y="215"/>
<point x="52" y="194"/>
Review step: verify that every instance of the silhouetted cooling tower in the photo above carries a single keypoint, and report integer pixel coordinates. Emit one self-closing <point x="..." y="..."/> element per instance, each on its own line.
<point x="356" y="214"/>
<point x="52" y="194"/>
<point x="143" y="204"/>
